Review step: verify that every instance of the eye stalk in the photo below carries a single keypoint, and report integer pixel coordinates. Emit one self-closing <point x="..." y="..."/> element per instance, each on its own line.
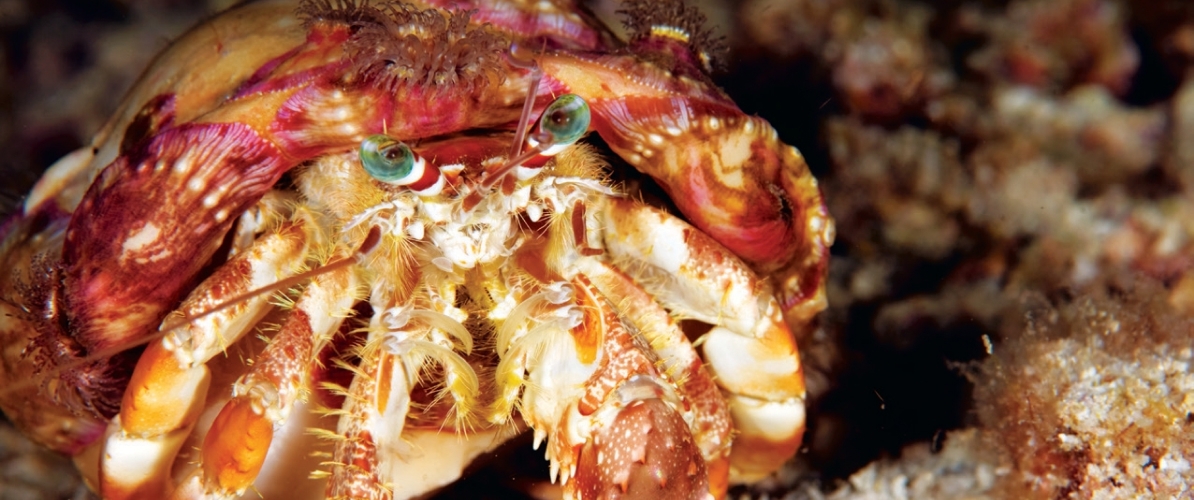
<point x="563" y="123"/>
<point x="393" y="162"/>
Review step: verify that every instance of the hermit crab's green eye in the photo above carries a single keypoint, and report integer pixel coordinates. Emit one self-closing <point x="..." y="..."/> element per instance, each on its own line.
<point x="563" y="123"/>
<point x="389" y="161"/>
<point x="393" y="162"/>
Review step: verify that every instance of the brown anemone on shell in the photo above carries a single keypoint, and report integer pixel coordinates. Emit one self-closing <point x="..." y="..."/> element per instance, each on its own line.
<point x="672" y="23"/>
<point x="86" y="387"/>
<point x="394" y="44"/>
<point x="351" y="12"/>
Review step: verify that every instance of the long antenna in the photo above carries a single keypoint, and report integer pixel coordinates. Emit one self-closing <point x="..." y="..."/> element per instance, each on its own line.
<point x="536" y="76"/>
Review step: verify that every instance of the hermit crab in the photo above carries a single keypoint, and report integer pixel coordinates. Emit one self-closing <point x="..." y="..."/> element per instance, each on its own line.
<point x="341" y="248"/>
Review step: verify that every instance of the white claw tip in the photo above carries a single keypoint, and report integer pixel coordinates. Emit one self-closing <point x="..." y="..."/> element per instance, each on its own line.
<point x="559" y="293"/>
<point x="415" y="230"/>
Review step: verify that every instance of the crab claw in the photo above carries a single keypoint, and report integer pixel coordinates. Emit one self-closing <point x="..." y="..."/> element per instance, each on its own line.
<point x="615" y="422"/>
<point x="726" y="171"/>
<point x="644" y="450"/>
<point x="732" y="177"/>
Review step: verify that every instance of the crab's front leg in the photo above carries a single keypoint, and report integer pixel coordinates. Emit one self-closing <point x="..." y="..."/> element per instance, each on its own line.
<point x="236" y="445"/>
<point x="750" y="350"/>
<point x="378" y="453"/>
<point x="169" y="385"/>
<point x="374" y="412"/>
<point x="732" y="177"/>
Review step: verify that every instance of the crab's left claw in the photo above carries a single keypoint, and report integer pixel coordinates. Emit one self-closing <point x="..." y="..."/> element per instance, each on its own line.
<point x="732" y="177"/>
<point x="727" y="172"/>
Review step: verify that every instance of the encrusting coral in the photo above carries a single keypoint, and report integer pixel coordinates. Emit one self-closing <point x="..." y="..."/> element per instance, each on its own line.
<point x="1028" y="190"/>
<point x="1094" y="398"/>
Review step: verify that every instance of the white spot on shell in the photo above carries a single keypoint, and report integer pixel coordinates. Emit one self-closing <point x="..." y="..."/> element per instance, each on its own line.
<point x="674" y="131"/>
<point x="222" y="215"/>
<point x="196" y="184"/>
<point x="182" y="165"/>
<point x="210" y="201"/>
<point x="713" y="123"/>
<point x="734" y="152"/>
<point x="655" y="139"/>
<point x="142" y="238"/>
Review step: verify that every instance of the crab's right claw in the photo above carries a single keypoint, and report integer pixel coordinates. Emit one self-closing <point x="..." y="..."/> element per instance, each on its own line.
<point x="644" y="450"/>
<point x="640" y="445"/>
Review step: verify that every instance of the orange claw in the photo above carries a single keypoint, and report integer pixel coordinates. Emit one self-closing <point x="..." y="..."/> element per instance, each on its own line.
<point x="150" y="411"/>
<point x="235" y="447"/>
<point x="158" y="411"/>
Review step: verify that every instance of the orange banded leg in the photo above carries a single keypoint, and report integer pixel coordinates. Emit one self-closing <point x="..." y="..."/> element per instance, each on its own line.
<point x="377" y="400"/>
<point x="750" y="350"/>
<point x="169" y="384"/>
<point x="236" y="445"/>
<point x="377" y="455"/>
